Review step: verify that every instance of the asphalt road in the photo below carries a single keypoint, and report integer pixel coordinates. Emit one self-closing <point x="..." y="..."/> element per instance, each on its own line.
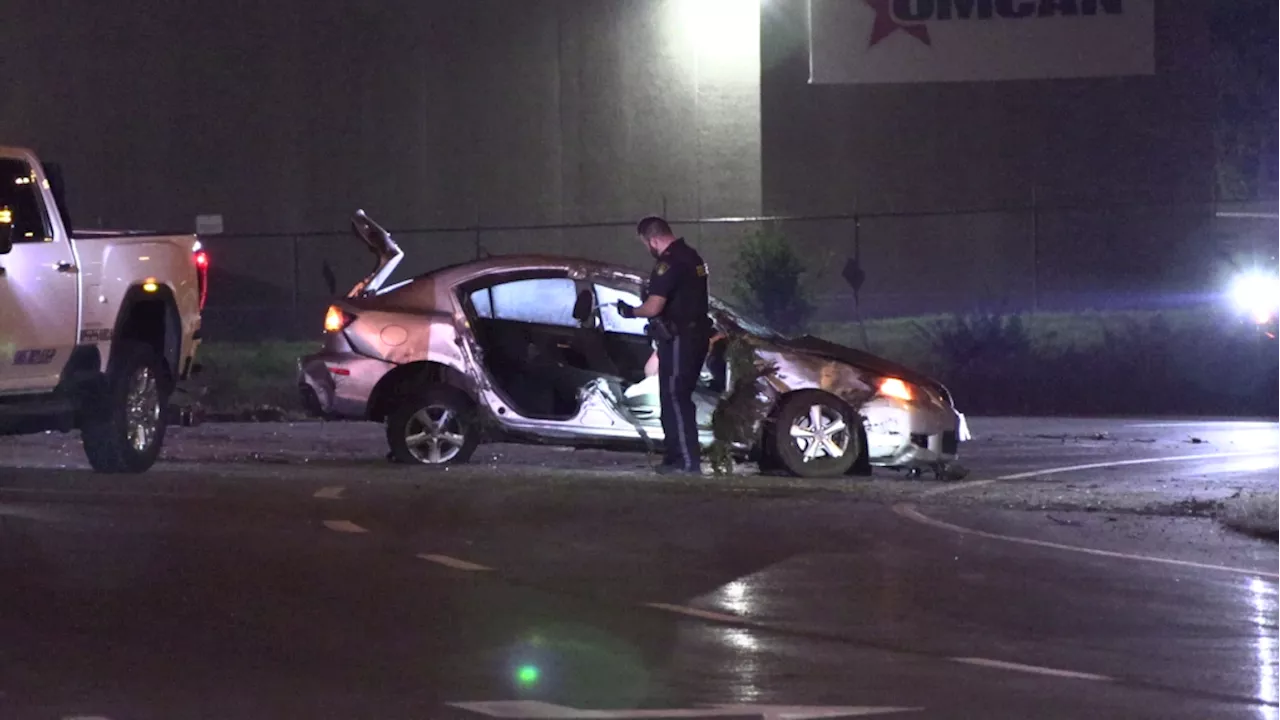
<point x="290" y="572"/>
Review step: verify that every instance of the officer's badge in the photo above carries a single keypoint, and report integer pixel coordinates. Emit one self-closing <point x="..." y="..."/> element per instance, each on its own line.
<point x="702" y="270"/>
<point x="662" y="268"/>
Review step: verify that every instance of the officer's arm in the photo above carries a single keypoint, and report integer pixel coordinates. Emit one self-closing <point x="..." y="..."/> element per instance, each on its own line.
<point x="651" y="307"/>
<point x="661" y="282"/>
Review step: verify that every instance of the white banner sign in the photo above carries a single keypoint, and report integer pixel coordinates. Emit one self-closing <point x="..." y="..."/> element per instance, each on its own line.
<point x="918" y="41"/>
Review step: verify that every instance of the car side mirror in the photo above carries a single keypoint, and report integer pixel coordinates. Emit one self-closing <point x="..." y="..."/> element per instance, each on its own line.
<point x="583" y="306"/>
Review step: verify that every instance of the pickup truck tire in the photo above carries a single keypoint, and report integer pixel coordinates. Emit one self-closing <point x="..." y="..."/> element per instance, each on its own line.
<point x="435" y="425"/>
<point x="124" y="423"/>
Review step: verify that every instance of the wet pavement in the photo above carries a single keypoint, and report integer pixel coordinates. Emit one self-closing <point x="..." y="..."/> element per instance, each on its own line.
<point x="269" y="571"/>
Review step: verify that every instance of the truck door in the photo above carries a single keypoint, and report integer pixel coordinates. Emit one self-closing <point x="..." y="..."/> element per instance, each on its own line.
<point x="39" y="293"/>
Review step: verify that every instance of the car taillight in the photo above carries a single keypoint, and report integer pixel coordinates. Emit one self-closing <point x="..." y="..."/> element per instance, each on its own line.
<point x="335" y="320"/>
<point x="201" y="259"/>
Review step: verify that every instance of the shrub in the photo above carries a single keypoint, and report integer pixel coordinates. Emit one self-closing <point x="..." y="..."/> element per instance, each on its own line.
<point x="769" y="281"/>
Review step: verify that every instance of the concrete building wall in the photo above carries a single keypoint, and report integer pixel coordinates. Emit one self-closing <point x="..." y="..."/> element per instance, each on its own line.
<point x="1120" y="170"/>
<point x="286" y="116"/>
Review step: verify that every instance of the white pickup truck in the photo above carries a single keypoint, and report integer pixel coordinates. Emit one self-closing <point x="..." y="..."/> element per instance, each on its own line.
<point x="96" y="328"/>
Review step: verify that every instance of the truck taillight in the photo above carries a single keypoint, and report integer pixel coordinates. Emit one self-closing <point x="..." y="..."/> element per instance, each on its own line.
<point x="201" y="258"/>
<point x="335" y="320"/>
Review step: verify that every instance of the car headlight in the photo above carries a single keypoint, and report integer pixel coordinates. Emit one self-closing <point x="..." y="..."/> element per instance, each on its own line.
<point x="1256" y="293"/>
<point x="895" y="388"/>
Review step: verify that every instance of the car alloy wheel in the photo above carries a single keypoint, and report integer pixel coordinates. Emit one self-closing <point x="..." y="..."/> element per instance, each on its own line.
<point x="434" y="425"/>
<point x="814" y="434"/>
<point x="434" y="435"/>
<point x="822" y="432"/>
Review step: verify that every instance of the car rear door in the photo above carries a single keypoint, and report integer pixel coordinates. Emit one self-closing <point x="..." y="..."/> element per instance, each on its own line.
<point x="39" y="281"/>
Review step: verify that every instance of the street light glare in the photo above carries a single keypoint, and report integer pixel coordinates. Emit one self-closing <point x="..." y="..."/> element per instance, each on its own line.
<point x="724" y="33"/>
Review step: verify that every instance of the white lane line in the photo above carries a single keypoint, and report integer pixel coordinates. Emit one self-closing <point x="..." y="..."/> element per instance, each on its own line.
<point x="330" y="493"/>
<point x="908" y="511"/>
<point x="1034" y="669"/>
<point x="1090" y="466"/>
<point x="344" y="526"/>
<point x="695" y="612"/>
<point x="1222" y="424"/>
<point x="454" y="563"/>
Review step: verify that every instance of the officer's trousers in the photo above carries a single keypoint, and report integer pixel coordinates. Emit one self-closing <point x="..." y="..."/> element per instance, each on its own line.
<point x="679" y="365"/>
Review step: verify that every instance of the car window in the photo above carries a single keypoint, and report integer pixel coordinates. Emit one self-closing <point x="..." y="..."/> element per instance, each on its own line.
<point x="19" y="204"/>
<point x="608" y="298"/>
<point x="548" y="301"/>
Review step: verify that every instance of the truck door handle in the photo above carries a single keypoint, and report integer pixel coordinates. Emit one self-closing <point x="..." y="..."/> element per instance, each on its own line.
<point x="65" y="267"/>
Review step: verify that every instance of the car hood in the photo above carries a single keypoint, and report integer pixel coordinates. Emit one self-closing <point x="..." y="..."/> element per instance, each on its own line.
<point x="860" y="359"/>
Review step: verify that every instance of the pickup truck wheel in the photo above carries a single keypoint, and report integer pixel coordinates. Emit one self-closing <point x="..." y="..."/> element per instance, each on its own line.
<point x="433" y="426"/>
<point x="124" y="421"/>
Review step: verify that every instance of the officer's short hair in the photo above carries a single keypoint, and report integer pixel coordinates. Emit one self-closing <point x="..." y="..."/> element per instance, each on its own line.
<point x="653" y="227"/>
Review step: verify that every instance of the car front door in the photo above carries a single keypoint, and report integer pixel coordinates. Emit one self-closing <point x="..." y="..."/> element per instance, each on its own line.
<point x="39" y="293"/>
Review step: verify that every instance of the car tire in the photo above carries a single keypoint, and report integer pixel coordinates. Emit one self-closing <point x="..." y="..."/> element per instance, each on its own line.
<point x="444" y="421"/>
<point x="124" y="419"/>
<point x="838" y="426"/>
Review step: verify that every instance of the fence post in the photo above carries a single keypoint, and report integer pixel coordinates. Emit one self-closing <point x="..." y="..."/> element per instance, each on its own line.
<point x="294" y="321"/>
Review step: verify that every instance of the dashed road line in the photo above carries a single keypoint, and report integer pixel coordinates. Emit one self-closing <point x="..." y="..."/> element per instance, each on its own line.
<point x="1091" y="466"/>
<point x="330" y="493"/>
<point x="344" y="526"/>
<point x="911" y="513"/>
<point x="454" y="563"/>
<point x="1033" y="669"/>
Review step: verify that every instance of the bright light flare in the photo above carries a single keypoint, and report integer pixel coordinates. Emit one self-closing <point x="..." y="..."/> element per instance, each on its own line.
<point x="1256" y="294"/>
<point x="895" y="388"/>
<point x="724" y="33"/>
<point x="527" y="675"/>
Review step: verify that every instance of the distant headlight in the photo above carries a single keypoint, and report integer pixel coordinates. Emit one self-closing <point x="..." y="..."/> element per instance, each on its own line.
<point x="1257" y="294"/>
<point x="895" y="388"/>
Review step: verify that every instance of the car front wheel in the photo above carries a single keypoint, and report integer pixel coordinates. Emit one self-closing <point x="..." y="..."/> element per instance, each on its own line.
<point x="435" y="426"/>
<point x="816" y="434"/>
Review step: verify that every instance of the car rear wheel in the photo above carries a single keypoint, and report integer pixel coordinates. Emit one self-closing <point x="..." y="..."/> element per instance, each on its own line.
<point x="815" y="434"/>
<point x="435" y="426"/>
<point x="124" y="422"/>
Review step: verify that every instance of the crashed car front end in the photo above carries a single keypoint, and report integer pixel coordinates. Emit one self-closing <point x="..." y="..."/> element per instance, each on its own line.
<point x="910" y="420"/>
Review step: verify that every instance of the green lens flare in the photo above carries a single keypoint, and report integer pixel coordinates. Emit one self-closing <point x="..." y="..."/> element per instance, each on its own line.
<point x="527" y="675"/>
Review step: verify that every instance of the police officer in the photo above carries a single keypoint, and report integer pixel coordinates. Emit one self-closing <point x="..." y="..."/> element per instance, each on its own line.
<point x="677" y="308"/>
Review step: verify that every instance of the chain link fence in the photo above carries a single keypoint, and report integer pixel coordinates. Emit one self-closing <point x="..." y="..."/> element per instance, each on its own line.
<point x="1149" y="256"/>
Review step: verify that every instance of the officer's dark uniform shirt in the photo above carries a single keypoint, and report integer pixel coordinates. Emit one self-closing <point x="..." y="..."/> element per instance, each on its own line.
<point x="680" y="276"/>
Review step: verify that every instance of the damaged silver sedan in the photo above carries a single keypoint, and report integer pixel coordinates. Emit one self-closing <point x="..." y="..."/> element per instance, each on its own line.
<point x="530" y="348"/>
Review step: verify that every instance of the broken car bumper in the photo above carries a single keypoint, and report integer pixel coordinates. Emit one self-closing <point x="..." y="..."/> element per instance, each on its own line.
<point x="339" y="385"/>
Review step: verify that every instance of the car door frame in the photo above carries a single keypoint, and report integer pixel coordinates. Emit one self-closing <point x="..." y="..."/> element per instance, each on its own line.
<point x="463" y="292"/>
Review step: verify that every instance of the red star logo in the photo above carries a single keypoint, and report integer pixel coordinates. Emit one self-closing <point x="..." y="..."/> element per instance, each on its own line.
<point x="887" y="24"/>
